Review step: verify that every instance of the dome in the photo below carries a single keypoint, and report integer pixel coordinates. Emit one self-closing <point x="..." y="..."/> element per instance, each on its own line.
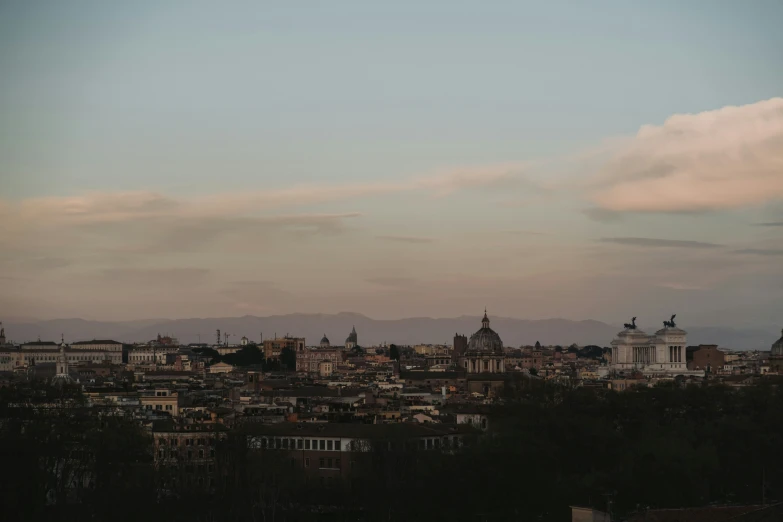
<point x="352" y="337"/>
<point x="485" y="339"/>
<point x="777" y="347"/>
<point x="324" y="340"/>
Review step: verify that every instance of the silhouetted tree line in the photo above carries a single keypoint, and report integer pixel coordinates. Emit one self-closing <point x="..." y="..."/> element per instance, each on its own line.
<point x="252" y="355"/>
<point x="548" y="447"/>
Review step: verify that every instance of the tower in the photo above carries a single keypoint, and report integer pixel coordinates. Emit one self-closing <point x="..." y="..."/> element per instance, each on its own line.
<point x="62" y="365"/>
<point x="2" y="334"/>
<point x="352" y="341"/>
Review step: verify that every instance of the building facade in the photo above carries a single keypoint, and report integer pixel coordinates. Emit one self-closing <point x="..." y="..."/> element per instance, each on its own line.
<point x="333" y="451"/>
<point x="706" y="357"/>
<point x="308" y="361"/>
<point x="273" y="347"/>
<point x="663" y="353"/>
<point x="48" y="352"/>
<point x="145" y="354"/>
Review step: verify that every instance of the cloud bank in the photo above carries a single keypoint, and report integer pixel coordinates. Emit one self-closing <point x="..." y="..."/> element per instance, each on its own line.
<point x="657" y="243"/>
<point x="721" y="159"/>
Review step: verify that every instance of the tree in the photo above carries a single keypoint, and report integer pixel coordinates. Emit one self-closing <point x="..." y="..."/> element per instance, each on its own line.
<point x="394" y="352"/>
<point x="288" y="359"/>
<point x="247" y="356"/>
<point x="208" y="352"/>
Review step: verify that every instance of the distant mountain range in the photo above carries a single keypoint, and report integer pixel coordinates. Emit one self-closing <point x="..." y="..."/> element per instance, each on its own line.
<point x="514" y="332"/>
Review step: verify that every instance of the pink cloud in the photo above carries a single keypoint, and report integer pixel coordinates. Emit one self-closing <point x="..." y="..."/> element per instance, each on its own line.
<point x="726" y="158"/>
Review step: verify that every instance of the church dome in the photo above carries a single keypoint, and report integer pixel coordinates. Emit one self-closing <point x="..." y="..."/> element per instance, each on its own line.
<point x="352" y="337"/>
<point x="324" y="339"/>
<point x="485" y="339"/>
<point x="777" y="347"/>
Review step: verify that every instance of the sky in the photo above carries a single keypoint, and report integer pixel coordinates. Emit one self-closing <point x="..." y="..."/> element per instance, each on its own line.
<point x="584" y="160"/>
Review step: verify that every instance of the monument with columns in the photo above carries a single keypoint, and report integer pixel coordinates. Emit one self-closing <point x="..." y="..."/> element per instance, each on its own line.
<point x="660" y="354"/>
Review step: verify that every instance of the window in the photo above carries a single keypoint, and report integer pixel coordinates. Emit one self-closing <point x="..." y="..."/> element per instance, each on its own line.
<point x="201" y="454"/>
<point x="307" y="462"/>
<point x="329" y="445"/>
<point x="337" y="445"/>
<point x="285" y="443"/>
<point x="307" y="444"/>
<point x="277" y="443"/>
<point x="299" y="444"/>
<point x="321" y="462"/>
<point x="158" y="407"/>
<point x="329" y="463"/>
<point x="263" y="443"/>
<point x="429" y="443"/>
<point x="211" y="453"/>
<point x="322" y="444"/>
<point x="337" y="463"/>
<point x="168" y="407"/>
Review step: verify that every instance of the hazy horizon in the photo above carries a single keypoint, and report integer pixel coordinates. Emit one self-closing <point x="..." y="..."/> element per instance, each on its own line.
<point x="545" y="160"/>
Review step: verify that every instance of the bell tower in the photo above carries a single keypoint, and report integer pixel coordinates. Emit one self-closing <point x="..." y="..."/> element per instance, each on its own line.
<point x="2" y="334"/>
<point x="62" y="363"/>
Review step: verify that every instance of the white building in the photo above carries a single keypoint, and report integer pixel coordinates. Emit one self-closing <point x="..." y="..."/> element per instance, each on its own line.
<point x="98" y="345"/>
<point x="145" y="354"/>
<point x="48" y="353"/>
<point x="660" y="354"/>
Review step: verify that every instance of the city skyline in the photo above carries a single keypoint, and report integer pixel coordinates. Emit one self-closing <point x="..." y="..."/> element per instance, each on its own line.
<point x="542" y="160"/>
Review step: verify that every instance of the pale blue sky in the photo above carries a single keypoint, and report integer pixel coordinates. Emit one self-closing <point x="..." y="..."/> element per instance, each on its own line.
<point x="192" y="100"/>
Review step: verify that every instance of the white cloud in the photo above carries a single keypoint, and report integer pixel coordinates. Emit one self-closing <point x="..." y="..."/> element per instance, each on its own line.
<point x="726" y="158"/>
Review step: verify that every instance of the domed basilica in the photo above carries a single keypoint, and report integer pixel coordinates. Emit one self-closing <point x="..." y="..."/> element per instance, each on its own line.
<point x="485" y="351"/>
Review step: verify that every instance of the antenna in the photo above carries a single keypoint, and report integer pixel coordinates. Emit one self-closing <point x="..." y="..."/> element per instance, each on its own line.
<point x="218" y="336"/>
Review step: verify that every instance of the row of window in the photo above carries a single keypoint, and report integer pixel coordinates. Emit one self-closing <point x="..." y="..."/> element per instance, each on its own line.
<point x="71" y="358"/>
<point x="325" y="445"/>
<point x="159" y="407"/>
<point x="163" y="454"/>
<point x="328" y="445"/>
<point x="188" y="442"/>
